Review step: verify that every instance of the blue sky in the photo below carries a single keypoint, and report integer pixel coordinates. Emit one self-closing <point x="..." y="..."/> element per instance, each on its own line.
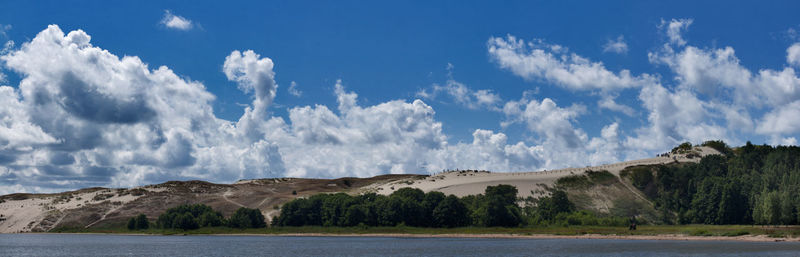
<point x="697" y="71"/>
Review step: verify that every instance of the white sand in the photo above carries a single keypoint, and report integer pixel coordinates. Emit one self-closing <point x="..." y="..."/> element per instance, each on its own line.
<point x="471" y="183"/>
<point x="25" y="215"/>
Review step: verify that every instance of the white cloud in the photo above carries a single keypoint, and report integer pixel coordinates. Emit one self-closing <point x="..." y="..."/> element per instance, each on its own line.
<point x="4" y="28"/>
<point x="85" y="117"/>
<point x="536" y="60"/>
<point x="782" y="120"/>
<point x="293" y="89"/>
<point x="674" y="29"/>
<point x="555" y="132"/>
<point x="176" y="22"/>
<point x="461" y="94"/>
<point x="389" y="137"/>
<point x="732" y="90"/>
<point x="607" y="101"/>
<point x="252" y="74"/>
<point x="616" y="46"/>
<point x="82" y="116"/>
<point x="793" y="55"/>
<point x="674" y="117"/>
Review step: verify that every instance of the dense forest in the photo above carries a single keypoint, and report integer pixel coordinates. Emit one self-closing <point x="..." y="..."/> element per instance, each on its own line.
<point x="747" y="185"/>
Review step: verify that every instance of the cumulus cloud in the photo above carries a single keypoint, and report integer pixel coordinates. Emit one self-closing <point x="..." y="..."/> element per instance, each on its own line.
<point x="674" y="117"/>
<point x="616" y="46"/>
<point x="82" y="116"/>
<point x="536" y="60"/>
<point x="176" y="22"/>
<point x="252" y="74"/>
<point x="732" y="90"/>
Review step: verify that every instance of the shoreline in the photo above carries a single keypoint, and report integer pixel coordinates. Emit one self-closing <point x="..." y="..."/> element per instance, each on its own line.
<point x="666" y="237"/>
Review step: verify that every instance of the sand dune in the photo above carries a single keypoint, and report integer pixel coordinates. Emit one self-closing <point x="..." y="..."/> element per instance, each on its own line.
<point x="473" y="182"/>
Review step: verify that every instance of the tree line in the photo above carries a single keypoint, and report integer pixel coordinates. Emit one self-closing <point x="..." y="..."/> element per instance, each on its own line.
<point x="751" y="184"/>
<point x="497" y="206"/>
<point x="194" y="216"/>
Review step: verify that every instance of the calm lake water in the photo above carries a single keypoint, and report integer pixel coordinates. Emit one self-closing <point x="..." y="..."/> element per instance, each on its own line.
<point x="119" y="245"/>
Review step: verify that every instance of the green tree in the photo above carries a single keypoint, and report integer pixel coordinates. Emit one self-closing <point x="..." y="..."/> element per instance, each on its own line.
<point x="142" y="222"/>
<point x="557" y="202"/>
<point x="185" y="221"/>
<point x="450" y="212"/>
<point x="501" y="208"/>
<point x="247" y="218"/>
<point x="132" y="223"/>
<point x="210" y="219"/>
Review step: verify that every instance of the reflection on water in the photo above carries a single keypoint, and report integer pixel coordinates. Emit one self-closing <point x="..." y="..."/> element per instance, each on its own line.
<point x="119" y="245"/>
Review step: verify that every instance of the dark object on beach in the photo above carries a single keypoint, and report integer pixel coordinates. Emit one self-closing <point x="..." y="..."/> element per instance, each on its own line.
<point x="633" y="224"/>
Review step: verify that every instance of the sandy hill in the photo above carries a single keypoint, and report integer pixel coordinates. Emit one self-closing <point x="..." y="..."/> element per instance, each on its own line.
<point x="103" y="207"/>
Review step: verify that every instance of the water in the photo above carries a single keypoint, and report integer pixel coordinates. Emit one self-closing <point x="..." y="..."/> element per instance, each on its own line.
<point x="122" y="245"/>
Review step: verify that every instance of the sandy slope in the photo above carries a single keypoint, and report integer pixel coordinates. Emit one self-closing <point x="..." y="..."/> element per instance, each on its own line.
<point x="46" y="211"/>
<point x="470" y="183"/>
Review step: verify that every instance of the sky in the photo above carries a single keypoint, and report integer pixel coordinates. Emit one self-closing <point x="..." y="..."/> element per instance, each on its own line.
<point x="121" y="94"/>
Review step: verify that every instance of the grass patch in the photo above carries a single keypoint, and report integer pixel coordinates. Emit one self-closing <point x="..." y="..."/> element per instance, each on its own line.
<point x="736" y="233"/>
<point x="691" y="230"/>
<point x="573" y="181"/>
<point x="700" y="232"/>
<point x="601" y="177"/>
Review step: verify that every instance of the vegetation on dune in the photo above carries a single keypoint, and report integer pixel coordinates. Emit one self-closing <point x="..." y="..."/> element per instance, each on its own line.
<point x="749" y="185"/>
